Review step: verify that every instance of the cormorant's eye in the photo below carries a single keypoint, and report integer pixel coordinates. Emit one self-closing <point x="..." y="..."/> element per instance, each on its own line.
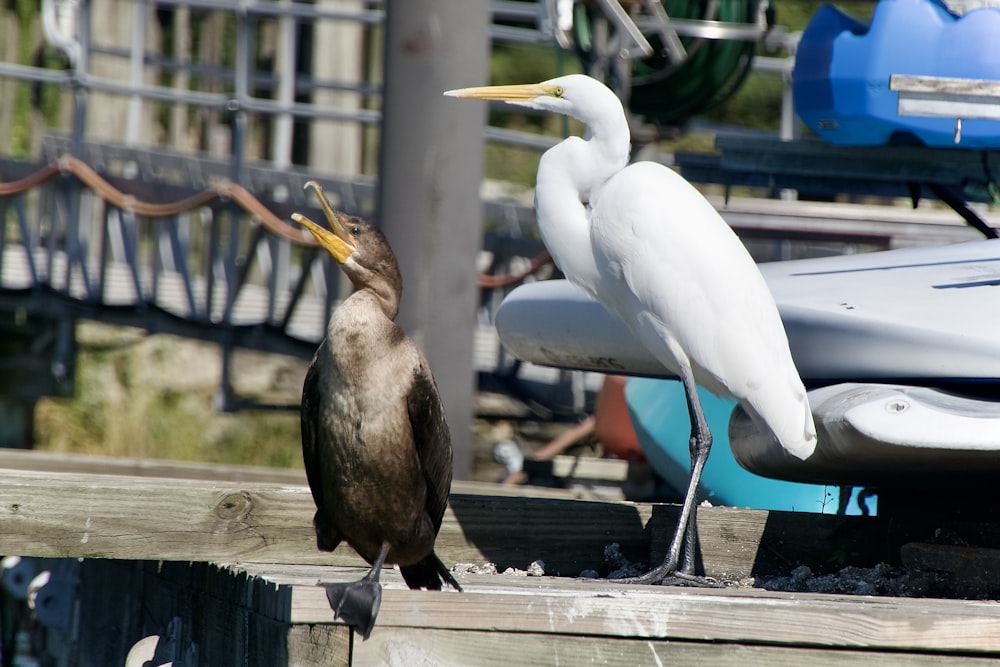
<point x="355" y="230"/>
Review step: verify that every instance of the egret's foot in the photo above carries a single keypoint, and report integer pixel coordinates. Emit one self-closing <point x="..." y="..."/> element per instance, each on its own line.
<point x="671" y="577"/>
<point x="356" y="603"/>
<point x="693" y="580"/>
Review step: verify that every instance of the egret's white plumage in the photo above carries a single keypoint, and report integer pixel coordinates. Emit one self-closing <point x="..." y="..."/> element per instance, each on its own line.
<point x="685" y="285"/>
<point x="647" y="245"/>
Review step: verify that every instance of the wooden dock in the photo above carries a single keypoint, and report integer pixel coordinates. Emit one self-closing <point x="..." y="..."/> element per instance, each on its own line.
<point x="220" y="563"/>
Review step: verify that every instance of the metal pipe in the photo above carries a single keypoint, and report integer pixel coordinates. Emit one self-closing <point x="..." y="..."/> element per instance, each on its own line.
<point x="133" y="118"/>
<point x="281" y="144"/>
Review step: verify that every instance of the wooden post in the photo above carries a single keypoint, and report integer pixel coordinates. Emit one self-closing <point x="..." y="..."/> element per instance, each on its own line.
<point x="430" y="172"/>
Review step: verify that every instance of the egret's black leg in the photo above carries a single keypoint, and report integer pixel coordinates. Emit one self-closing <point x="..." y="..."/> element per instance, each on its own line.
<point x="690" y="546"/>
<point x="685" y="535"/>
<point x="356" y="603"/>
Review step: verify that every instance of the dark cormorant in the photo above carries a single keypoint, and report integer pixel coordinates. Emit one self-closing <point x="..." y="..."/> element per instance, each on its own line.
<point x="376" y="446"/>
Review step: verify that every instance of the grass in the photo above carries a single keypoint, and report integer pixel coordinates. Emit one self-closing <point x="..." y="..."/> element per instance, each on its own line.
<point x="153" y="397"/>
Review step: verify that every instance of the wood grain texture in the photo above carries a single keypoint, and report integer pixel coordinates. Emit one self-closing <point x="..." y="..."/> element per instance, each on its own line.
<point x="63" y="514"/>
<point x="273" y="614"/>
<point x="115" y="516"/>
<point x="319" y="646"/>
<point x="404" y="647"/>
<point x="44" y="462"/>
<point x="261" y="604"/>
<point x="578" y="607"/>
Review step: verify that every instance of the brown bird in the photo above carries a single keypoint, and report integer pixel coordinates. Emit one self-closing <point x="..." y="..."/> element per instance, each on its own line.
<point x="375" y="442"/>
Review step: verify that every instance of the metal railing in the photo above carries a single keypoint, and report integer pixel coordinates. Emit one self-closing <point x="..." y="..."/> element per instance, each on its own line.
<point x="213" y="262"/>
<point x="191" y="244"/>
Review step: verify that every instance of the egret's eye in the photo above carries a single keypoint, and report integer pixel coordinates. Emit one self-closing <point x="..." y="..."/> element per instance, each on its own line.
<point x="558" y="92"/>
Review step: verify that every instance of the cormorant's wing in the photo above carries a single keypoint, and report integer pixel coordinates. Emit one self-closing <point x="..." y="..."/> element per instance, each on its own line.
<point x="432" y="439"/>
<point x="309" y="415"/>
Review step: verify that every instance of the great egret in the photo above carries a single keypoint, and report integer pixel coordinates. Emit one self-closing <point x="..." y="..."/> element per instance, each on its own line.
<point x="375" y="443"/>
<point x="649" y="247"/>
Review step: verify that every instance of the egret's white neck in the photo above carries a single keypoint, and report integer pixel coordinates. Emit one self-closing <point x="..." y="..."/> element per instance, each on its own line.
<point x="608" y="137"/>
<point x="610" y="141"/>
<point x="566" y="175"/>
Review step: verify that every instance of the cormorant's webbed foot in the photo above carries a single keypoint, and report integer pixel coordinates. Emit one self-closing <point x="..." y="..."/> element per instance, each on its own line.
<point x="356" y="603"/>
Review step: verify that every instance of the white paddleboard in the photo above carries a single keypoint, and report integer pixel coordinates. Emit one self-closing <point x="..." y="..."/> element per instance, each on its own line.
<point x="922" y="314"/>
<point x="865" y="332"/>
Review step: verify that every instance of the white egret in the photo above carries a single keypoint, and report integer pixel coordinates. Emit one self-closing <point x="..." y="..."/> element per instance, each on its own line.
<point x="649" y="247"/>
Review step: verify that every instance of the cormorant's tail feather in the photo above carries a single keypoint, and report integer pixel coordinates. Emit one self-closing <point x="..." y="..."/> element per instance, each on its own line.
<point x="356" y="603"/>
<point x="429" y="573"/>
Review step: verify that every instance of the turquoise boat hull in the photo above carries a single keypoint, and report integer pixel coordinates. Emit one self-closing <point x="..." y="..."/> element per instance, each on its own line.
<point x="660" y="419"/>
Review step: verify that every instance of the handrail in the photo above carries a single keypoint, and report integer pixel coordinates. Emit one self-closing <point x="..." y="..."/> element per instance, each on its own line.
<point x="109" y="193"/>
<point x="225" y="189"/>
<point x="487" y="281"/>
<point x="29" y="181"/>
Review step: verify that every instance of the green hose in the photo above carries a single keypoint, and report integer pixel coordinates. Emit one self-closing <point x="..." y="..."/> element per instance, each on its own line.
<point x="669" y="93"/>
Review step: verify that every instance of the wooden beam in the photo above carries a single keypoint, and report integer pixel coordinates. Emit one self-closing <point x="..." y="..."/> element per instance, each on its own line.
<point x="463" y="647"/>
<point x="81" y="515"/>
<point x="46" y="462"/>
<point x="114" y="516"/>
<point x="587" y="608"/>
<point x="278" y="615"/>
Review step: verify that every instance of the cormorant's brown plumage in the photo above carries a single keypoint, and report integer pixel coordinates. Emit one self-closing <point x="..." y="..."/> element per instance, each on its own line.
<point x="375" y="442"/>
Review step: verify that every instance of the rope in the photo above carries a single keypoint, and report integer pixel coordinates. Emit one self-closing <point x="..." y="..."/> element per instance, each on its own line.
<point x="28" y="182"/>
<point x="69" y="164"/>
<point x="487" y="281"/>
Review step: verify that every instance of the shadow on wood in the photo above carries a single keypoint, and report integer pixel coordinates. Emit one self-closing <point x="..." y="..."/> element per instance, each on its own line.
<point x="566" y="534"/>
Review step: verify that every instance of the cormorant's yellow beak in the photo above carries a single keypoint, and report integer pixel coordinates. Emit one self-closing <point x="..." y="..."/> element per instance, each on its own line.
<point x="517" y="93"/>
<point x="338" y="242"/>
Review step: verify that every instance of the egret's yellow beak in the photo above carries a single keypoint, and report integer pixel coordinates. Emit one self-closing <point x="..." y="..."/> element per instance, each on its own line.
<point x="338" y="242"/>
<point x="517" y="93"/>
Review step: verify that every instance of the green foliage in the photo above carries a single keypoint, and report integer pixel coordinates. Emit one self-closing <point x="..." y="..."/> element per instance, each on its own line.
<point x="30" y="98"/>
<point x="756" y="104"/>
<point x="513" y="62"/>
<point x="794" y="15"/>
<point x="20" y="141"/>
<point x="152" y="397"/>
<point x="523" y="63"/>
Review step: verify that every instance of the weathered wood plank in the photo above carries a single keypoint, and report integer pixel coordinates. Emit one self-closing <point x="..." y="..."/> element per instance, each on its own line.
<point x="43" y="462"/>
<point x="114" y="516"/>
<point x="270" y="598"/>
<point x="408" y="646"/>
<point x="320" y="646"/>
<point x="606" y="609"/>
<point x="110" y="516"/>
<point x="262" y="614"/>
<point x="63" y="514"/>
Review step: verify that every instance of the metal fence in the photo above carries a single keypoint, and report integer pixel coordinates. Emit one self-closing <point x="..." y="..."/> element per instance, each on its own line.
<point x="193" y="243"/>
